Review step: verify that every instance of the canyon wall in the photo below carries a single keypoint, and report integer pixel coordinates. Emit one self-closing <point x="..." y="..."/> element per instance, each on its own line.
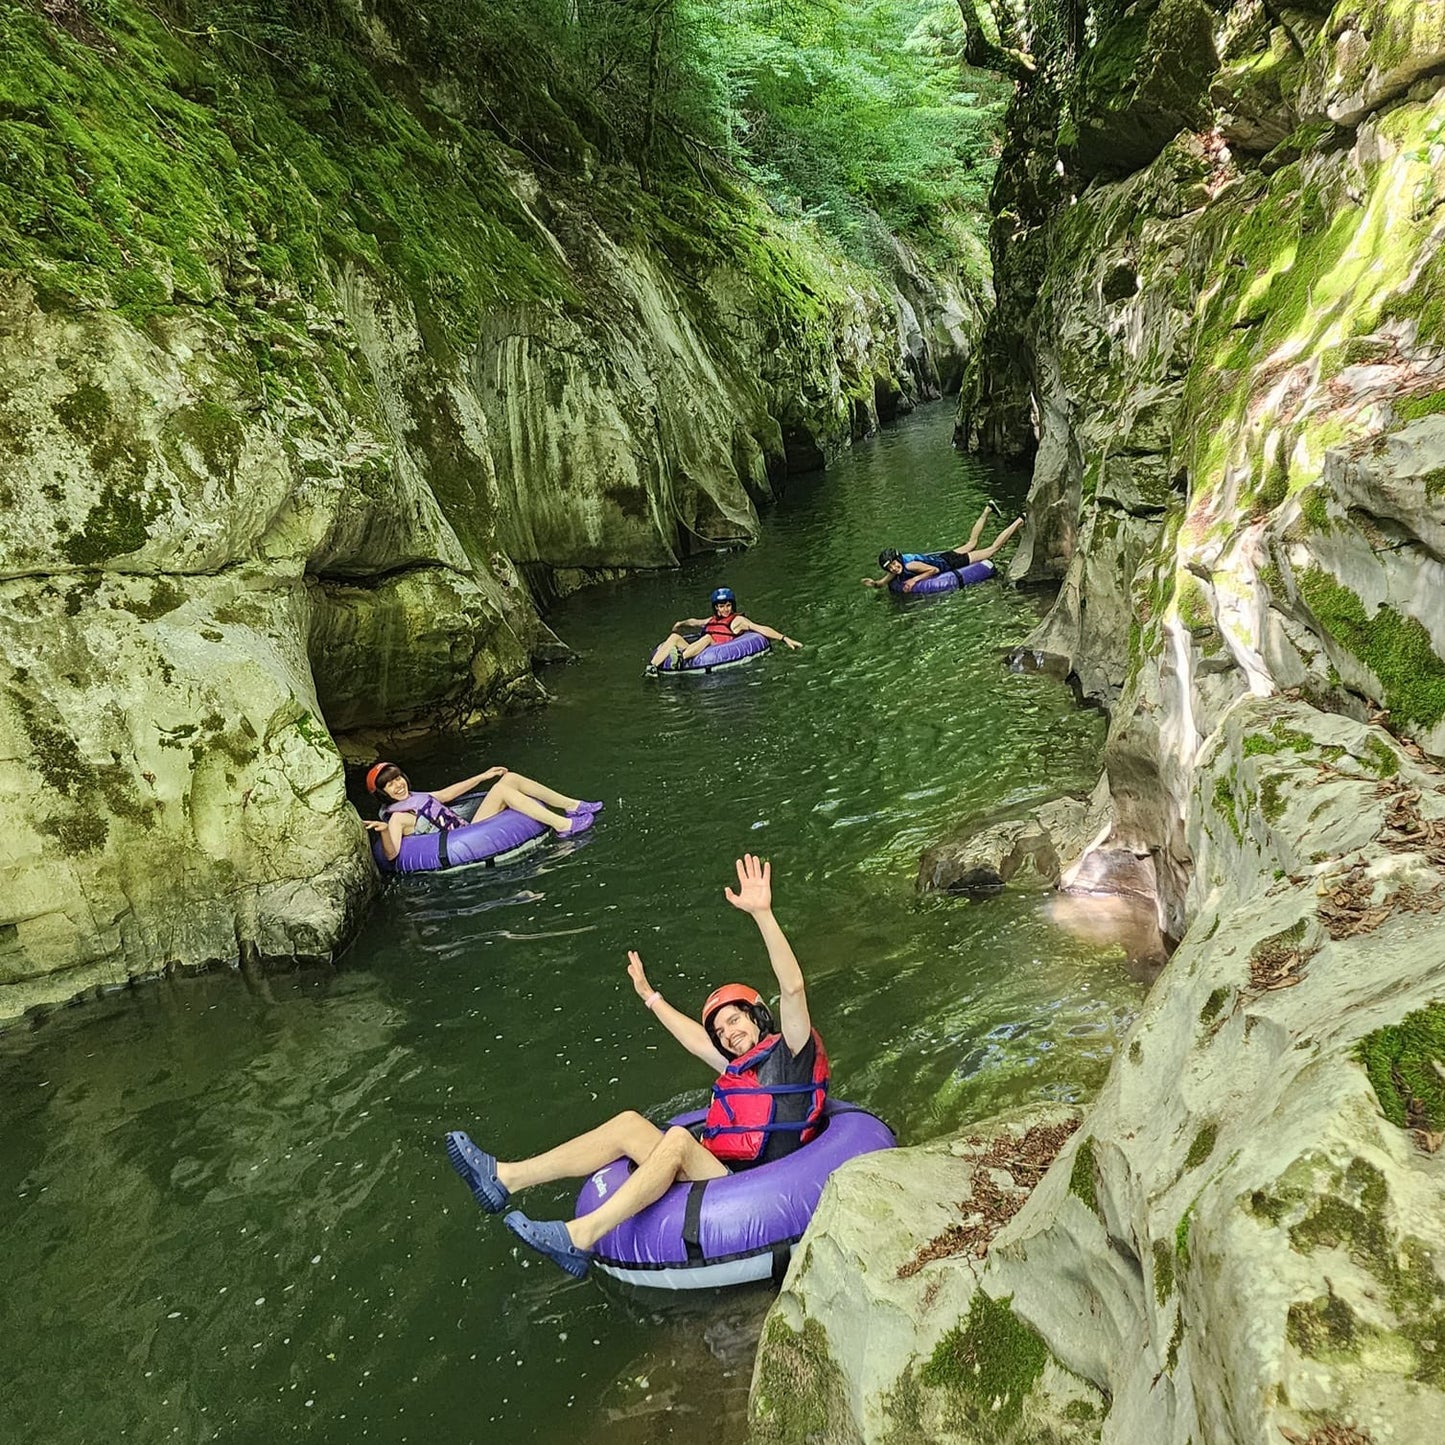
<point x="1218" y="261"/>
<point x="312" y="381"/>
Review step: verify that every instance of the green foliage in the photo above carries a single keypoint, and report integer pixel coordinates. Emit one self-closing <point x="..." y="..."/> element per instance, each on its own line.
<point x="856" y="113"/>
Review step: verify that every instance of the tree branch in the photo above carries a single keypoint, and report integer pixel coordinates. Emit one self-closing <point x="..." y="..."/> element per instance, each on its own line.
<point x="985" y="53"/>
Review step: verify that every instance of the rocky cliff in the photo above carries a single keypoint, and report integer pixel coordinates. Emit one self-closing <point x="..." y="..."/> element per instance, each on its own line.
<point x="313" y="374"/>
<point x="1217" y="253"/>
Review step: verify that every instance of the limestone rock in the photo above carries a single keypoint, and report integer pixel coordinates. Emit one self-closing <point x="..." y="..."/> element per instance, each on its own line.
<point x="1024" y="844"/>
<point x="1141" y="83"/>
<point x="273" y="478"/>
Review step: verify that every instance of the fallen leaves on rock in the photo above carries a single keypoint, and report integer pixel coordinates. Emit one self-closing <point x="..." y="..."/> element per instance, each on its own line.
<point x="1346" y="906"/>
<point x="989" y="1205"/>
<point x="1275" y="965"/>
<point x="1405" y="831"/>
<point x="1329" y="1435"/>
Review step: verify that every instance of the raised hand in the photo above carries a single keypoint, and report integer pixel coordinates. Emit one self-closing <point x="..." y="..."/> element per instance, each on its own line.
<point x="635" y="973"/>
<point x="755" y="886"/>
<point x="792" y="644"/>
<point x="374" y="825"/>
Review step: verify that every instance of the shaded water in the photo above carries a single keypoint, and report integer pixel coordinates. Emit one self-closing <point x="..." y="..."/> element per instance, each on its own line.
<point x="227" y="1215"/>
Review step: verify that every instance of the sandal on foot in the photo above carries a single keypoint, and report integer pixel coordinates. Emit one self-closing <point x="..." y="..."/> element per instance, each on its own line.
<point x="581" y="822"/>
<point x="584" y="808"/>
<point x="550" y="1237"/>
<point x="478" y="1170"/>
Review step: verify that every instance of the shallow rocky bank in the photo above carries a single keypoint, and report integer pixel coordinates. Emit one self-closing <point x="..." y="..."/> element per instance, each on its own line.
<point x="1219" y="300"/>
<point x="301" y="411"/>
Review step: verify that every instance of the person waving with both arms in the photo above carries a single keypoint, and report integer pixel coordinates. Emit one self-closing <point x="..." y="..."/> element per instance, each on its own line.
<point x="767" y="1100"/>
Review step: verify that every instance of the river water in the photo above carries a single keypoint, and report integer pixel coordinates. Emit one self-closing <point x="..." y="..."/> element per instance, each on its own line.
<point x="227" y="1214"/>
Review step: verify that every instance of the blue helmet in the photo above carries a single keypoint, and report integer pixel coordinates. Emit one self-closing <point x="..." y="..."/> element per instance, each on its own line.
<point x="723" y="594"/>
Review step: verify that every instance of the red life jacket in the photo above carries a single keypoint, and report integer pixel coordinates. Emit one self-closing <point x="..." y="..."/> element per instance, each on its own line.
<point x="719" y="629"/>
<point x="744" y="1103"/>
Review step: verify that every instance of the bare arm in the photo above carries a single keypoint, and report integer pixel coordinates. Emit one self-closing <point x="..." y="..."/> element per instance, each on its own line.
<point x="918" y="572"/>
<point x="755" y="896"/>
<point x="687" y="1031"/>
<point x="392" y="831"/>
<point x="459" y="790"/>
<point x="882" y="581"/>
<point x="689" y="622"/>
<point x="743" y="624"/>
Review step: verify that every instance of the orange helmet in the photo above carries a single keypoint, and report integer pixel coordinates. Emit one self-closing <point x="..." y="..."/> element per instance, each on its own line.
<point x="745" y="998"/>
<point x="372" y="773"/>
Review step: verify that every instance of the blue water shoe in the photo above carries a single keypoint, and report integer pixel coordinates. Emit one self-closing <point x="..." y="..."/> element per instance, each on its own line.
<point x="550" y="1237"/>
<point x="479" y="1172"/>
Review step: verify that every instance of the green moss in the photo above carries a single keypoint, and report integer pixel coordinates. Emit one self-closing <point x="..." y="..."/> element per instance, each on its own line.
<point x="1278" y="739"/>
<point x="1268" y="1206"/>
<point x="1181" y="1238"/>
<point x="1379" y="758"/>
<point x="903" y="1410"/>
<point x="1163" y="1271"/>
<point x="1352" y="1219"/>
<point x="114" y="527"/>
<point x="1225" y="806"/>
<point x="1413" y="408"/>
<point x="1324" y="1329"/>
<point x="1136" y="1052"/>
<point x="1202" y="1147"/>
<point x="1081" y="1176"/>
<point x="800" y="1394"/>
<point x="165" y="597"/>
<point x="1176" y="1339"/>
<point x="85" y="412"/>
<point x="988" y="1364"/>
<point x="1396" y="648"/>
<point x="211" y="432"/>
<point x="1403" y="1062"/>
<point x="1214" y="1004"/>
<point x="1271" y="804"/>
<point x="77" y="832"/>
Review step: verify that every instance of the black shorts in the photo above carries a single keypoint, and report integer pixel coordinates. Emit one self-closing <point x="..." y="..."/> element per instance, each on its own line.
<point x="954" y="561"/>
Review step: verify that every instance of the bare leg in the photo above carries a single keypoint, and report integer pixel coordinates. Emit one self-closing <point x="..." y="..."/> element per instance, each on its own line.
<point x="695" y="649"/>
<point x="502" y="795"/>
<point x="998" y="541"/>
<point x="674" y="640"/>
<point x="541" y="792"/>
<point x="977" y="532"/>
<point x="623" y="1134"/>
<point x="677" y="1156"/>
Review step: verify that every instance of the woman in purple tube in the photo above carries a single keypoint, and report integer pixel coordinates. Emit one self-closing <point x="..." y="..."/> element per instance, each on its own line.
<point x="404" y="811"/>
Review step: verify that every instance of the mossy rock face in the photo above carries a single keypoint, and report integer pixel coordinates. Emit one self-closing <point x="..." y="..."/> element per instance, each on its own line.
<point x="1143" y="82"/>
<point x="191" y="812"/>
<point x="1406" y="1065"/>
<point x="986" y="1366"/>
<point x="799" y="1396"/>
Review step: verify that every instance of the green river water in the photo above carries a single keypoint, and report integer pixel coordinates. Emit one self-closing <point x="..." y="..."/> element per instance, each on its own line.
<point x="227" y="1212"/>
